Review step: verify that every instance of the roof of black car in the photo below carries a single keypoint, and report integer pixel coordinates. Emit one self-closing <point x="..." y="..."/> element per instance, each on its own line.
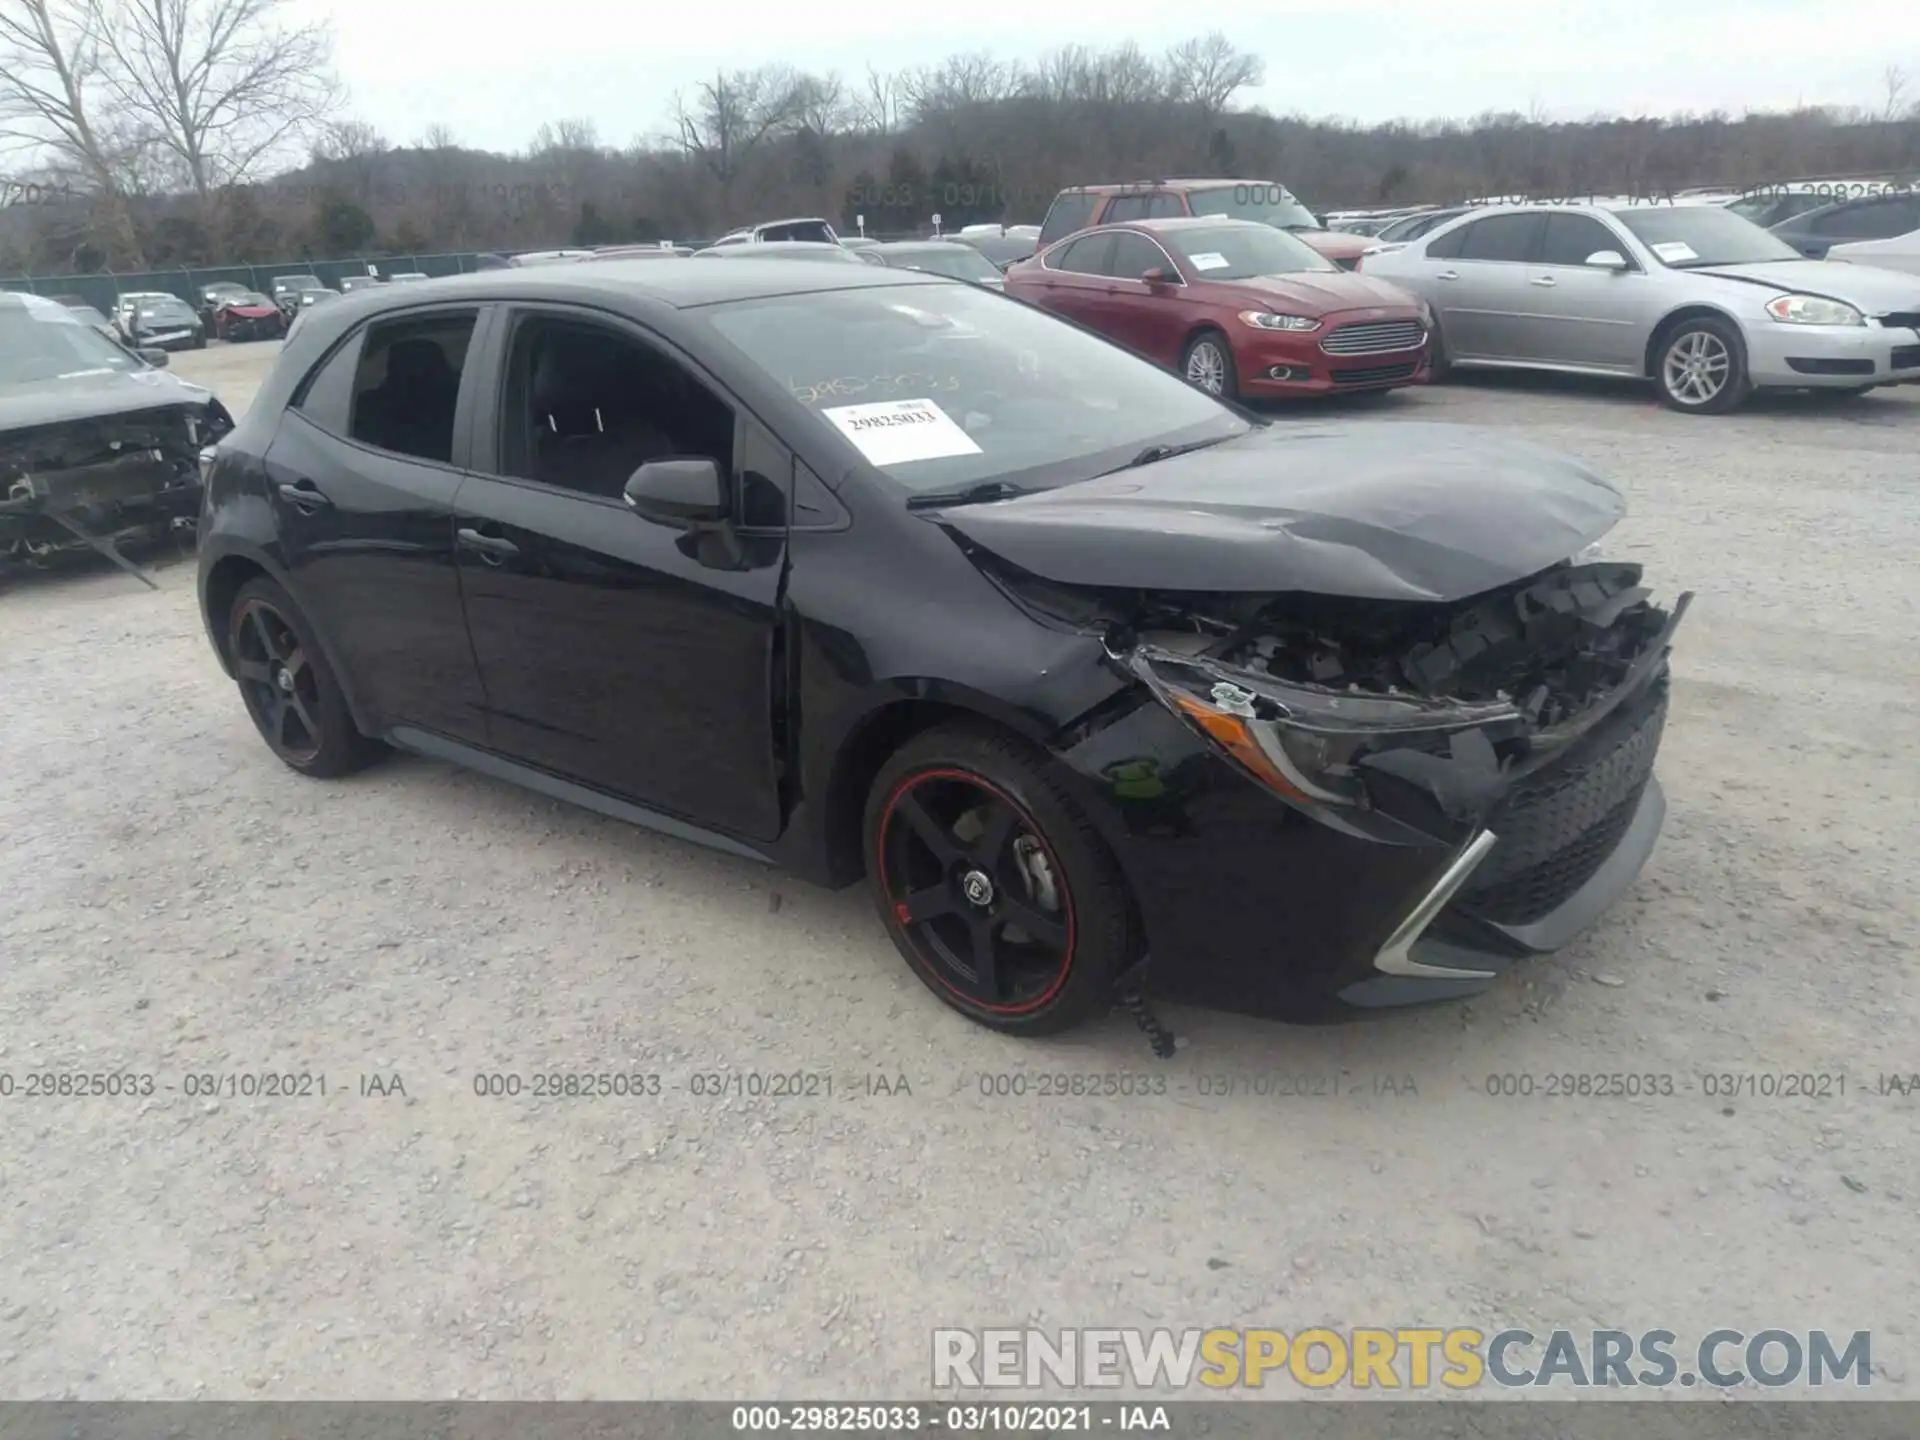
<point x="676" y="281"/>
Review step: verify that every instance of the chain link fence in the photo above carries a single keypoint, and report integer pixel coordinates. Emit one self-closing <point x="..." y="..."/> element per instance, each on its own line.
<point x="102" y="289"/>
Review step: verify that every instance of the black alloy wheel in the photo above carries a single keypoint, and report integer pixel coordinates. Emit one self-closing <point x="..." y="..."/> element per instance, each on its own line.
<point x="993" y="885"/>
<point x="289" y="689"/>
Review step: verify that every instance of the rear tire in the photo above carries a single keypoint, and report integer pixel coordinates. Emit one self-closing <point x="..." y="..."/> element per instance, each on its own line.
<point x="992" y="883"/>
<point x="290" y="691"/>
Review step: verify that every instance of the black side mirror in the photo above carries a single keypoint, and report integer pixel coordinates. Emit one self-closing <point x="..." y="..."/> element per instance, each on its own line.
<point x="685" y="493"/>
<point x="156" y="358"/>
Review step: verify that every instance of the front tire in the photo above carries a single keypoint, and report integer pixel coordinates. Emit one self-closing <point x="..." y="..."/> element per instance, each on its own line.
<point x="992" y="883"/>
<point x="1207" y="362"/>
<point x="289" y="689"/>
<point x="1700" y="367"/>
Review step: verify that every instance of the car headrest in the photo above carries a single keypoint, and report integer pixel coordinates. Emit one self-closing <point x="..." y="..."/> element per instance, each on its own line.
<point x="418" y="362"/>
<point x="567" y="379"/>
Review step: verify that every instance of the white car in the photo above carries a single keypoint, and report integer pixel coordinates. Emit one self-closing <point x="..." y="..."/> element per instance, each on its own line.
<point x="1900" y="252"/>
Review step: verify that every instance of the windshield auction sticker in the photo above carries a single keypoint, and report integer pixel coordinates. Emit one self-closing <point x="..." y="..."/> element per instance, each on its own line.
<point x="1209" y="261"/>
<point x="1675" y="252"/>
<point x="898" y="432"/>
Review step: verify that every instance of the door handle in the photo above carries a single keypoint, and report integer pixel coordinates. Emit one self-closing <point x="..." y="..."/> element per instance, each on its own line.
<point x="491" y="548"/>
<point x="1448" y="275"/>
<point x="303" y="495"/>
<point x="1543" y="280"/>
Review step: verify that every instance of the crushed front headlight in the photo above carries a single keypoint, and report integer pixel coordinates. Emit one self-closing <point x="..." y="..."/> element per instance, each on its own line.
<point x="1318" y="750"/>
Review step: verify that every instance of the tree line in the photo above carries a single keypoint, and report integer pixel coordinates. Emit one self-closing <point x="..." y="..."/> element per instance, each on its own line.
<point x="159" y="133"/>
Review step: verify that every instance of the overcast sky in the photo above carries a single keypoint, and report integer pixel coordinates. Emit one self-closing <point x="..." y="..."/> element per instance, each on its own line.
<point x="494" y="75"/>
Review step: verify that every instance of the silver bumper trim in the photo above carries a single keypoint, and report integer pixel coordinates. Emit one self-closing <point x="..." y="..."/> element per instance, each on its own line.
<point x="1396" y="956"/>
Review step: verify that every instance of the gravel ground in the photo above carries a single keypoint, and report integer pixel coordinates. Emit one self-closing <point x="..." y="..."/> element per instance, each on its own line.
<point x="174" y="902"/>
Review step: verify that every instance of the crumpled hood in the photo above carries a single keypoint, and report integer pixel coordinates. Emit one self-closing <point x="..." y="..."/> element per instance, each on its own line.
<point x="1866" y="287"/>
<point x="1366" y="510"/>
<point x="1321" y="291"/>
<point x="92" y="396"/>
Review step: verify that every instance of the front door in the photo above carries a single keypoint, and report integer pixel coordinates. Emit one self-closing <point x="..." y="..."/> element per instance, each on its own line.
<point x="1584" y="314"/>
<point x="362" y="475"/>
<point x="636" y="659"/>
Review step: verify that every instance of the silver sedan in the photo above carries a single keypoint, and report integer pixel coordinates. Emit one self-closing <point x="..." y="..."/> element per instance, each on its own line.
<point x="1706" y="305"/>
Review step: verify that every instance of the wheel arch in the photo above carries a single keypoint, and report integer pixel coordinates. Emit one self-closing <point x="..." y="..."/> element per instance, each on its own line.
<point x="871" y="741"/>
<point x="1696" y="310"/>
<point x="220" y="581"/>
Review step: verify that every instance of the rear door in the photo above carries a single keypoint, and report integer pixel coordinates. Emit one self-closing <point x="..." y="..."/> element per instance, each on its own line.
<point x="1484" y="300"/>
<point x="1584" y="315"/>
<point x="362" y="474"/>
<point x="615" y="652"/>
<point x="1074" y="279"/>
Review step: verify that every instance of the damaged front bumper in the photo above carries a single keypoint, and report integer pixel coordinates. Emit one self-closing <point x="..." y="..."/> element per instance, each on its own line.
<point x="1446" y="807"/>
<point x="101" y="482"/>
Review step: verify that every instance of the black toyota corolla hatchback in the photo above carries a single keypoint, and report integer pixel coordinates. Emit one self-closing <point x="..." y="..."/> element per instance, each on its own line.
<point x="1098" y="683"/>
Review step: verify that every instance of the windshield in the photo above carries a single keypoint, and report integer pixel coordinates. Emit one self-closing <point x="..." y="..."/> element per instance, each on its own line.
<point x="948" y="385"/>
<point x="1689" y="236"/>
<point x="1240" y="252"/>
<point x="296" y="282"/>
<point x="171" y="311"/>
<point x="50" y="344"/>
<point x="1267" y="203"/>
<point x="957" y="262"/>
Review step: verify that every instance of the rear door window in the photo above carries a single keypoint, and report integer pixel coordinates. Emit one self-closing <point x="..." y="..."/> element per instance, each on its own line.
<point x="407" y="385"/>
<point x="1087" y="256"/>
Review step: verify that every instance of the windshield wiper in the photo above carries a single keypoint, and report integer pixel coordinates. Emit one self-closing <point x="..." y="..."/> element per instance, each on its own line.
<point x="1153" y="454"/>
<point x="968" y="495"/>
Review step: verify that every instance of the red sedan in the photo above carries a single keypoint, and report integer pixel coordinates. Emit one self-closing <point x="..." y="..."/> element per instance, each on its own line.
<point x="1239" y="308"/>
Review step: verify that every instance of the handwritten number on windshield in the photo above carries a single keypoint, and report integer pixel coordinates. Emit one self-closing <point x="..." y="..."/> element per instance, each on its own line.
<point x="919" y="382"/>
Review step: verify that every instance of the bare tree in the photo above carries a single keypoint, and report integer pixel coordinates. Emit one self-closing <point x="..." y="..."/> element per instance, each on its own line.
<point x="570" y="136"/>
<point x="821" y="104"/>
<point x="957" y="83"/>
<point x="877" y="109"/>
<point x="223" y="84"/>
<point x="731" y="115"/>
<point x="437" y="136"/>
<point x="354" y="150"/>
<point x="1208" y="72"/>
<point x="49" y="84"/>
<point x="1895" y="80"/>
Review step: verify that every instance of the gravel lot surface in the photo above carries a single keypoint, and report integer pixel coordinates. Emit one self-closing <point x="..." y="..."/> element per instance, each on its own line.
<point x="174" y="902"/>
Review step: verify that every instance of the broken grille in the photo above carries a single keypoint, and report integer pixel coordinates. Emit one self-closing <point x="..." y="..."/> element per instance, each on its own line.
<point x="1559" y="826"/>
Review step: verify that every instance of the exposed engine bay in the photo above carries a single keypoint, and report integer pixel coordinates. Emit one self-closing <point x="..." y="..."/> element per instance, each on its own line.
<point x="1552" y="647"/>
<point x="1398" y="718"/>
<point x="92" y="483"/>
